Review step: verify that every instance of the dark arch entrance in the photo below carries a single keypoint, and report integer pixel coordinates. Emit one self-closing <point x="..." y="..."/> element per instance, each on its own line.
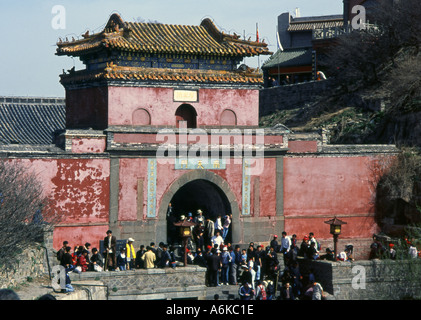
<point x="200" y="194"/>
<point x="186" y="113"/>
<point x="215" y="180"/>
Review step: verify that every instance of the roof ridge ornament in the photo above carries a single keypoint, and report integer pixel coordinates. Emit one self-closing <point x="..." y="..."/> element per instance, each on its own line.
<point x="115" y="22"/>
<point x="210" y="26"/>
<point x="206" y="39"/>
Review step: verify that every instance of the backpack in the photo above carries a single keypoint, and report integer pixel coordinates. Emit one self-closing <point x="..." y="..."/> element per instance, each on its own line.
<point x="262" y="293"/>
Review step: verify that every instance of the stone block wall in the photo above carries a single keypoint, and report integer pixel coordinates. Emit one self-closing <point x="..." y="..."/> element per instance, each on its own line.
<point x="86" y="290"/>
<point x="291" y="96"/>
<point x="155" y="284"/>
<point x="368" y="279"/>
<point x="30" y="265"/>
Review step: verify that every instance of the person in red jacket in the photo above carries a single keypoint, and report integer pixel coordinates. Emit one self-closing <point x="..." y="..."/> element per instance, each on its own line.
<point x="75" y="256"/>
<point x="82" y="261"/>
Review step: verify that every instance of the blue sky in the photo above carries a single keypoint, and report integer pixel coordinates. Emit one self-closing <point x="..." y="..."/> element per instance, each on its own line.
<point x="29" y="66"/>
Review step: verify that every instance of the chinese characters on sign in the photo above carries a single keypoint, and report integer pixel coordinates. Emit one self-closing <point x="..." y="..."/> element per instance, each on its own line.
<point x="199" y="163"/>
<point x="186" y="95"/>
<point x="151" y="211"/>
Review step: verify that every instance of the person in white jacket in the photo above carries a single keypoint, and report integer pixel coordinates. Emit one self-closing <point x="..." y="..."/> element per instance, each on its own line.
<point x="217" y="239"/>
<point x="285" y="243"/>
<point x="218" y="224"/>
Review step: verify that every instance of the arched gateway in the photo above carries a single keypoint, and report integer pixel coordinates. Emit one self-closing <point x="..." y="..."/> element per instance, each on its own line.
<point x="205" y="190"/>
<point x="107" y="177"/>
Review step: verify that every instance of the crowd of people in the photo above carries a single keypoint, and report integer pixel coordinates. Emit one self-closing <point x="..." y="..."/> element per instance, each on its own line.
<point x="255" y="269"/>
<point x="388" y="250"/>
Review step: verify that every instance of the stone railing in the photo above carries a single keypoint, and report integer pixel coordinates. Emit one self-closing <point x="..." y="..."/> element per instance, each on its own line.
<point x="367" y="279"/>
<point x="150" y="284"/>
<point x="31" y="100"/>
<point x="334" y="32"/>
<point x="330" y="32"/>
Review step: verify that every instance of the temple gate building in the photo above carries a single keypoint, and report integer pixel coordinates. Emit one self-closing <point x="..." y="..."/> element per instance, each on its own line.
<point x="168" y="114"/>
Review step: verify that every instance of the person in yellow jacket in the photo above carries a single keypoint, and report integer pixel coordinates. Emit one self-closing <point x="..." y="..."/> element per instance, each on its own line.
<point x="130" y="254"/>
<point x="149" y="258"/>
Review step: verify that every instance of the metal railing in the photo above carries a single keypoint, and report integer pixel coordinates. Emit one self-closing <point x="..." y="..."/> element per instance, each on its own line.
<point x="334" y="32"/>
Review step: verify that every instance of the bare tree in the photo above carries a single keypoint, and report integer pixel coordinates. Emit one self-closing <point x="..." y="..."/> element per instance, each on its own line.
<point x="24" y="213"/>
<point x="358" y="58"/>
<point x="403" y="87"/>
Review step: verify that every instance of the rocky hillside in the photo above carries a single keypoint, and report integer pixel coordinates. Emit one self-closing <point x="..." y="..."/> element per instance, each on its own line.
<point x="387" y="112"/>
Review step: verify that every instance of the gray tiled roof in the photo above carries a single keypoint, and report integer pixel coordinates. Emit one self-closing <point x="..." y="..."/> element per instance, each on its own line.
<point x="30" y="121"/>
<point x="290" y="57"/>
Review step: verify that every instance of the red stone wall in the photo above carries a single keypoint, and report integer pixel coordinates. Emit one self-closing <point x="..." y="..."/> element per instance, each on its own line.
<point x="160" y="104"/>
<point x="318" y="188"/>
<point x="78" y="190"/>
<point x="133" y="170"/>
<point x="88" y="145"/>
<point x="315" y="189"/>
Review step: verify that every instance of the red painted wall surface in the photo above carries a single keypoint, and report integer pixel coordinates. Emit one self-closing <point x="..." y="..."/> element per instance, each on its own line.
<point x="78" y="189"/>
<point x="159" y="102"/>
<point x="132" y="170"/>
<point x="88" y="145"/>
<point x="356" y="227"/>
<point x="79" y="235"/>
<point x="274" y="139"/>
<point x="267" y="189"/>
<point x="302" y="146"/>
<point x="318" y="188"/>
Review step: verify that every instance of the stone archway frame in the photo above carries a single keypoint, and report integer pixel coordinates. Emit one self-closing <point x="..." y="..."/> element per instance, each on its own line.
<point x="237" y="230"/>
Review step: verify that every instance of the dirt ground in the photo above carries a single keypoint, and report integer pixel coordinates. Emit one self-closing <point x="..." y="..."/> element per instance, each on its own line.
<point x="32" y="290"/>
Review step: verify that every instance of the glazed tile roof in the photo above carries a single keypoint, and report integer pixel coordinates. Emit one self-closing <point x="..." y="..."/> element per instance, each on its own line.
<point x="312" y="23"/>
<point x="114" y="72"/>
<point x="290" y="57"/>
<point x="136" y="37"/>
<point x="30" y="121"/>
